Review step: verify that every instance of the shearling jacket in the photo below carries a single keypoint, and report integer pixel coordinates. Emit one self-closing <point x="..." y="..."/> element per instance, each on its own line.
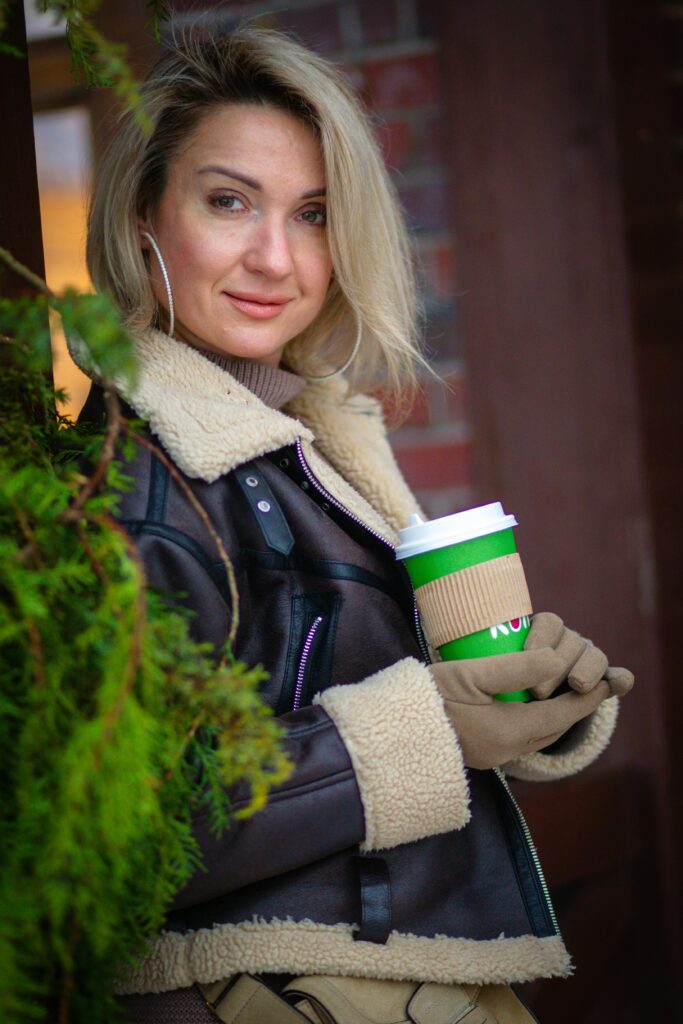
<point x="382" y="856"/>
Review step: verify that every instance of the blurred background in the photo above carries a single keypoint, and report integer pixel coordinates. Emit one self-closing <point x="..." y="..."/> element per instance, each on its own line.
<point x="537" y="148"/>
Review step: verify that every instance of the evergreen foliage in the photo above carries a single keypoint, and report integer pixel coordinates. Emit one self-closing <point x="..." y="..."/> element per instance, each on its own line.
<point x="100" y="62"/>
<point x="116" y="728"/>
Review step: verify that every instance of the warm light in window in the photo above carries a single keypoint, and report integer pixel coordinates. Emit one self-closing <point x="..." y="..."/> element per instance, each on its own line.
<point x="63" y="154"/>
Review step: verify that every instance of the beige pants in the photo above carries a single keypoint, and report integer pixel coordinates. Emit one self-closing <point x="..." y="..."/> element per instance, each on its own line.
<point x="324" y="999"/>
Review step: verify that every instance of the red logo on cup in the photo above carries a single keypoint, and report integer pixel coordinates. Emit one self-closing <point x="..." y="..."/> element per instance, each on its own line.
<point x="512" y="625"/>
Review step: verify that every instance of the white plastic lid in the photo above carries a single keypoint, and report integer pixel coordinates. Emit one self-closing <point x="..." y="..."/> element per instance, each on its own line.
<point x="418" y="536"/>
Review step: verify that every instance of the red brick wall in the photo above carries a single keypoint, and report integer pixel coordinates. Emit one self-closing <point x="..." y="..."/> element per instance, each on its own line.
<point x="390" y="52"/>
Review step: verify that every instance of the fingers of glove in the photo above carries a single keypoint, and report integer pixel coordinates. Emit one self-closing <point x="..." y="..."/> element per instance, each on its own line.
<point x="555" y="716"/>
<point x="493" y="735"/>
<point x="498" y="733"/>
<point x="476" y="680"/>
<point x="588" y="670"/>
<point x="620" y="681"/>
<point x="546" y="631"/>
<point x="569" y="650"/>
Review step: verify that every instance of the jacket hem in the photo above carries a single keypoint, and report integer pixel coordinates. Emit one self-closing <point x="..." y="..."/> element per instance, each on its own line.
<point x="306" y="947"/>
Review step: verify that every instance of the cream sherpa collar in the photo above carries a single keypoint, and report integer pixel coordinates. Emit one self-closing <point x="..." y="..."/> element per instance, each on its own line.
<point x="210" y="424"/>
<point x="205" y="419"/>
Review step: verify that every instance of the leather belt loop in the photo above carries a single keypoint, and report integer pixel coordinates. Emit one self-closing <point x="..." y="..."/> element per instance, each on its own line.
<point x="375" y="900"/>
<point x="266" y="510"/>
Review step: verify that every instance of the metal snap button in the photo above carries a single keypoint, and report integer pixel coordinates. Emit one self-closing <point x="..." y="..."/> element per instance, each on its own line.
<point x="251" y="481"/>
<point x="325" y="507"/>
<point x="304" y="485"/>
<point x="284" y="463"/>
<point x="263" y="506"/>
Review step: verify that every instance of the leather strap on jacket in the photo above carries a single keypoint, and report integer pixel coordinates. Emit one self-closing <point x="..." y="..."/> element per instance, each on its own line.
<point x="375" y="900"/>
<point x="263" y="504"/>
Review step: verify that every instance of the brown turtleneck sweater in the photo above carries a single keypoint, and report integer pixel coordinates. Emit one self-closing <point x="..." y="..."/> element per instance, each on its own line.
<point x="273" y="385"/>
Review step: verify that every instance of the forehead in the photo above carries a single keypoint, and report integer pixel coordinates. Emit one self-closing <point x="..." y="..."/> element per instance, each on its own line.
<point x="254" y="138"/>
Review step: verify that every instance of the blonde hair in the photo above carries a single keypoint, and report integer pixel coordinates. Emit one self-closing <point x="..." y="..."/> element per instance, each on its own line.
<point x="373" y="288"/>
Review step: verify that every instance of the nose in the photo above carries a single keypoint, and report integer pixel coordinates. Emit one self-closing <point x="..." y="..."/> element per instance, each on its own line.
<point x="269" y="250"/>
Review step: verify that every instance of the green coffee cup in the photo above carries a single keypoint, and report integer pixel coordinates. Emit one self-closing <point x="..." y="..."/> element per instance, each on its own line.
<point x="447" y="549"/>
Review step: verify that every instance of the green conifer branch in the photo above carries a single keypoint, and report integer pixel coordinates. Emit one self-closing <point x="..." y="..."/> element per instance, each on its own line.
<point x="116" y="727"/>
<point x="159" y="11"/>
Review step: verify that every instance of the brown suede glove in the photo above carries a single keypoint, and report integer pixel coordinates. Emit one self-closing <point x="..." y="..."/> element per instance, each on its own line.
<point x="492" y="732"/>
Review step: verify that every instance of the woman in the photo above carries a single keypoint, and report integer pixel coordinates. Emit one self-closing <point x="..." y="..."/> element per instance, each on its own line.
<point x="254" y="246"/>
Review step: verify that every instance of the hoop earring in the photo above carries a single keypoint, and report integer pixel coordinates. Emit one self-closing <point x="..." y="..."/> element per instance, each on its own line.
<point x="164" y="273"/>
<point x="346" y="364"/>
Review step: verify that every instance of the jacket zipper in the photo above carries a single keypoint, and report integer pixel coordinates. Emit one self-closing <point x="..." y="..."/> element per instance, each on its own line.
<point x="306" y="650"/>
<point x="531" y="848"/>
<point x="312" y="478"/>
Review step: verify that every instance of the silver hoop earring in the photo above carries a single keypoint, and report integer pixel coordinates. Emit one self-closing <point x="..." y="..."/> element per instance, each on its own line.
<point x="346" y="364"/>
<point x="164" y="273"/>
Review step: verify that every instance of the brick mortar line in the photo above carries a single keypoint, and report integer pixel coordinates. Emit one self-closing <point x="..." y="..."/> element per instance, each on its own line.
<point x="441" y="492"/>
<point x="434" y="175"/>
<point x="411" y="115"/>
<point x="457" y="432"/>
<point x="433" y="238"/>
<point x="384" y="51"/>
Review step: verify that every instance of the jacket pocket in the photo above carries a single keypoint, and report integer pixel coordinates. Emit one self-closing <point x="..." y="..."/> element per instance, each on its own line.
<point x="308" y="668"/>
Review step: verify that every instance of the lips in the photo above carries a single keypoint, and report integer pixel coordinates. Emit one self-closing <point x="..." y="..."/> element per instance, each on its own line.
<point x="260" y="307"/>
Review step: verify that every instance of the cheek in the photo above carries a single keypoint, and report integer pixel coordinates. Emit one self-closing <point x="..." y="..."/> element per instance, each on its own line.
<point x="194" y="250"/>
<point x="199" y="254"/>
<point x="319" y="272"/>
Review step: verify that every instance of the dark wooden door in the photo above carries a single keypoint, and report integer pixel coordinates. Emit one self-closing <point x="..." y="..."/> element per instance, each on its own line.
<point x="544" y="277"/>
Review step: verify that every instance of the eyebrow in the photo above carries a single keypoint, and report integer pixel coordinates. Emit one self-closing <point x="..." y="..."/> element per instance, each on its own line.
<point x="251" y="182"/>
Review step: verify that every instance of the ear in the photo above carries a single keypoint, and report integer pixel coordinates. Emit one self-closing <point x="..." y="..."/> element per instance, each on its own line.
<point x="143" y="227"/>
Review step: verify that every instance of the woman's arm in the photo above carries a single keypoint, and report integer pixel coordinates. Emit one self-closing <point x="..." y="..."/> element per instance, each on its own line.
<point x="376" y="764"/>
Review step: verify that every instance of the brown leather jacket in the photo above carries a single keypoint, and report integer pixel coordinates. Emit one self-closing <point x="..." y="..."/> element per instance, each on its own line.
<point x="381" y="856"/>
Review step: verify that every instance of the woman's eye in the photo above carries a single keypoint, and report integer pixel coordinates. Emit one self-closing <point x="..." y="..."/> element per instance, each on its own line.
<point x="317" y="216"/>
<point x="226" y="202"/>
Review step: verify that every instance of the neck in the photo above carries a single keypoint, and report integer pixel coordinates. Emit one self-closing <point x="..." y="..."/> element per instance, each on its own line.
<point x="274" y="386"/>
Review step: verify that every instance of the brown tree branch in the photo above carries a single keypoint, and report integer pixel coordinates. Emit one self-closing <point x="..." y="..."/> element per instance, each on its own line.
<point x="64" y="1008"/>
<point x="37" y="654"/>
<point x="30" y="549"/>
<point x="28" y="275"/>
<point x="203" y="515"/>
<point x="115" y="423"/>
<point x="97" y="566"/>
<point x="106" y="521"/>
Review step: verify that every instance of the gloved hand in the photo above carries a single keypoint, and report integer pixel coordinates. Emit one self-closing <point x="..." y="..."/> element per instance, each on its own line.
<point x="492" y="732"/>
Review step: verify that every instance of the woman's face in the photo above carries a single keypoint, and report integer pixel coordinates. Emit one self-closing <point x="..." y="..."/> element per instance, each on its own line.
<point x="241" y="228"/>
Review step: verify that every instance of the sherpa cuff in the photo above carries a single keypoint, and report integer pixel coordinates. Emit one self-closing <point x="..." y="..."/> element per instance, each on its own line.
<point x="584" y="745"/>
<point x="406" y="756"/>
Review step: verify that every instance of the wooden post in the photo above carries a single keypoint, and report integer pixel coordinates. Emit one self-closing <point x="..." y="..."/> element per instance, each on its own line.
<point x="20" y="229"/>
